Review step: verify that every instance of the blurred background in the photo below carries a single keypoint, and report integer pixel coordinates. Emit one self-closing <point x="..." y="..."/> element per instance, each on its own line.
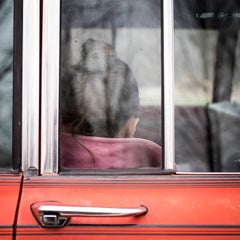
<point x="6" y="81"/>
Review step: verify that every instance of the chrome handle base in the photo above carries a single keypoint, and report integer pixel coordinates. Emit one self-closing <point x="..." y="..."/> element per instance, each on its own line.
<point x="54" y="214"/>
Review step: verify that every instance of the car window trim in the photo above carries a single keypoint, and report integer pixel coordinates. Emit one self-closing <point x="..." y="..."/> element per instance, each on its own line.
<point x="30" y="85"/>
<point x="167" y="42"/>
<point x="17" y="84"/>
<point x="50" y="89"/>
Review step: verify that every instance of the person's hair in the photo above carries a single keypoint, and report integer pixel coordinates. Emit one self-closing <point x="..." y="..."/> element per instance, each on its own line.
<point x="99" y="94"/>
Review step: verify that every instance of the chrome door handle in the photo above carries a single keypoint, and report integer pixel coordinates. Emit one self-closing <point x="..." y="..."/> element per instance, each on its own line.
<point x="55" y="214"/>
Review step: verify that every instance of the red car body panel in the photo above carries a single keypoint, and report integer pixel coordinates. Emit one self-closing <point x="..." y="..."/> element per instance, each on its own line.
<point x="9" y="196"/>
<point x="179" y="207"/>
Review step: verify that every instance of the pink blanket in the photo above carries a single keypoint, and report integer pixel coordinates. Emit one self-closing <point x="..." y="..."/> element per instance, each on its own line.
<point x="83" y="152"/>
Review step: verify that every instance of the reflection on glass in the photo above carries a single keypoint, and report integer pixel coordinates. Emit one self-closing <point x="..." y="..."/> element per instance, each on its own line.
<point x="207" y="85"/>
<point x="6" y="79"/>
<point x="111" y="84"/>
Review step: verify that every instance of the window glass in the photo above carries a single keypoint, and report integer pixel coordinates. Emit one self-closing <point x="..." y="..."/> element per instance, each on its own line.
<point x="110" y="84"/>
<point x="6" y="81"/>
<point x="207" y="119"/>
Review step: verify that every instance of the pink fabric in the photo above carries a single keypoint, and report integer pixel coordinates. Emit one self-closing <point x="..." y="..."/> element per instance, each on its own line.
<point x="83" y="152"/>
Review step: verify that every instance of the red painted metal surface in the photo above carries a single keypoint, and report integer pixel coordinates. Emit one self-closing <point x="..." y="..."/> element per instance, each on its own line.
<point x="180" y="207"/>
<point x="9" y="192"/>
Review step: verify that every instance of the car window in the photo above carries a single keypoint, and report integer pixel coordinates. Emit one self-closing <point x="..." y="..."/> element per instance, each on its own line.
<point x="6" y="82"/>
<point x="110" y="97"/>
<point x="207" y="110"/>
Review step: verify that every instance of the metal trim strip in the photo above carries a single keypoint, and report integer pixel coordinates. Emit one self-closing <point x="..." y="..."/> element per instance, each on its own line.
<point x="50" y="87"/>
<point x="30" y="85"/>
<point x="167" y="32"/>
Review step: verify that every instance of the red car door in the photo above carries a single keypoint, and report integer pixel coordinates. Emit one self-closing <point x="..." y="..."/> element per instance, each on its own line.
<point x="9" y="189"/>
<point x="169" y="207"/>
<point x="148" y="203"/>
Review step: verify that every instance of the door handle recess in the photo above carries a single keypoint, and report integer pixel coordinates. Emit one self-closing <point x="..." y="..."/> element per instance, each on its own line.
<point x="55" y="214"/>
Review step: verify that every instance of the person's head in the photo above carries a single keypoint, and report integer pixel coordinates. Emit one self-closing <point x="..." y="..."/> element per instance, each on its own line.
<point x="100" y="94"/>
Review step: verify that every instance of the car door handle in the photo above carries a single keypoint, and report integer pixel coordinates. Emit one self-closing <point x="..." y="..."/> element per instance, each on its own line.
<point x="55" y="214"/>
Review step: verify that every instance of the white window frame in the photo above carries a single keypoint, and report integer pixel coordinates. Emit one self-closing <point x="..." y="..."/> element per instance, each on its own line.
<point x="30" y="85"/>
<point x="50" y="87"/>
<point x="168" y="83"/>
<point x="46" y="149"/>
